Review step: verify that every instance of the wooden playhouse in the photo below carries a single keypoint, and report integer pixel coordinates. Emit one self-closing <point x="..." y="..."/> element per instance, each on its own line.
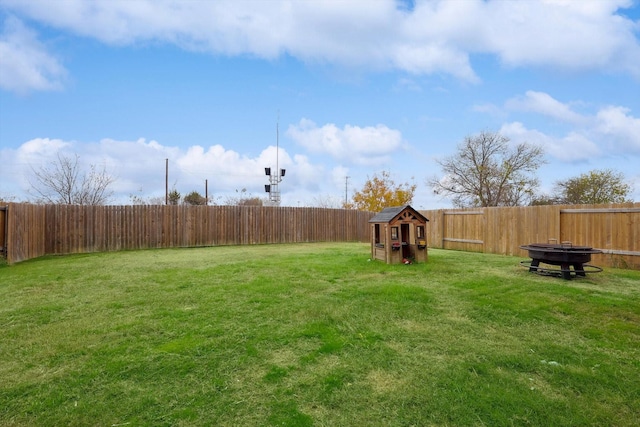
<point x="399" y="234"/>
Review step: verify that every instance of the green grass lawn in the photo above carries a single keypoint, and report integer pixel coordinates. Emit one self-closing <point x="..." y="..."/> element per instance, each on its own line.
<point x="314" y="335"/>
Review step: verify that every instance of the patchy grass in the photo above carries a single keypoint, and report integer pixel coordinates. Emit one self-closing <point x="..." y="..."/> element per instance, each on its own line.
<point x="314" y="335"/>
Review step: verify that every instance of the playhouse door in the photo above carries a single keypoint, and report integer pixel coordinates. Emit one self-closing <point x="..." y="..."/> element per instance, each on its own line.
<point x="404" y="233"/>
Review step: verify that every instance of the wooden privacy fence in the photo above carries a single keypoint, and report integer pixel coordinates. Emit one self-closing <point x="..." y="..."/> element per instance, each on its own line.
<point x="36" y="230"/>
<point x="3" y="228"/>
<point x="614" y="228"/>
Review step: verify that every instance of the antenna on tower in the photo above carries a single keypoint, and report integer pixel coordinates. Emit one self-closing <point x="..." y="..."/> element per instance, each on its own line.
<point x="276" y="178"/>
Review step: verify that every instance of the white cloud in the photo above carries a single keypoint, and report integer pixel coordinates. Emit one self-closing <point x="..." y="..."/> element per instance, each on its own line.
<point x="338" y="176"/>
<point x="543" y="103"/>
<point x="25" y="63"/>
<point x="622" y="128"/>
<point x="42" y="147"/>
<point x="351" y="144"/>
<point x="490" y="109"/>
<point x="434" y="37"/>
<point x="610" y="130"/>
<point x="562" y="34"/>
<point x="573" y="147"/>
<point x="140" y="166"/>
<point x="33" y="154"/>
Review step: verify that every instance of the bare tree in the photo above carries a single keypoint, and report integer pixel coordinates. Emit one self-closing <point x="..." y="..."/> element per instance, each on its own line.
<point x="63" y="182"/>
<point x="486" y="171"/>
<point x="7" y="198"/>
<point x="327" y="201"/>
<point x="140" y="199"/>
<point x="243" y="198"/>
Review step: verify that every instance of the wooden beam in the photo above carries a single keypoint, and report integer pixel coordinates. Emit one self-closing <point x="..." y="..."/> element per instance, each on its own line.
<point x="479" y="242"/>
<point x="618" y="252"/>
<point x="604" y="210"/>
<point x="464" y="213"/>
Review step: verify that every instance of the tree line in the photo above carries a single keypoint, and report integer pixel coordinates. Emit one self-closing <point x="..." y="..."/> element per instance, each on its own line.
<point x="242" y="198"/>
<point x="484" y="171"/>
<point x="487" y="171"/>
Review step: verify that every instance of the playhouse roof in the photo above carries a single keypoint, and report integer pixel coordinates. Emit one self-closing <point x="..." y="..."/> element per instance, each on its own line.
<point x="387" y="215"/>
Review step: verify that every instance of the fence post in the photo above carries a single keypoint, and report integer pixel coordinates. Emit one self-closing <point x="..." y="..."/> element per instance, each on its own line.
<point x="3" y="231"/>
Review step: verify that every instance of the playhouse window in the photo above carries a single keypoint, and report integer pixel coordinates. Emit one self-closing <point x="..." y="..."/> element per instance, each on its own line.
<point x="394" y="233"/>
<point x="420" y="231"/>
<point x="377" y="233"/>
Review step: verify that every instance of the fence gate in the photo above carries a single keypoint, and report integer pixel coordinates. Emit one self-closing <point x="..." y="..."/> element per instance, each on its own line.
<point x="463" y="230"/>
<point x="3" y="231"/>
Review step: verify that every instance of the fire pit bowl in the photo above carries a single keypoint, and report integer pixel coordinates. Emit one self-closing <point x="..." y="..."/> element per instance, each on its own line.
<point x="564" y="255"/>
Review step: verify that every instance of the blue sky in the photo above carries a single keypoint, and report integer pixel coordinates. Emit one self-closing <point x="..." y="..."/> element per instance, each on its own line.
<point x="354" y="88"/>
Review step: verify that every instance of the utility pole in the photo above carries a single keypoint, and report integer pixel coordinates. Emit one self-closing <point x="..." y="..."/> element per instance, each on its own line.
<point x="346" y="190"/>
<point x="166" y="182"/>
<point x="206" y="192"/>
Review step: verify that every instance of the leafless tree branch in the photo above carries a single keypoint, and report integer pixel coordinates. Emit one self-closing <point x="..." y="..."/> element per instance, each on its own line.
<point x="485" y="171"/>
<point x="62" y="182"/>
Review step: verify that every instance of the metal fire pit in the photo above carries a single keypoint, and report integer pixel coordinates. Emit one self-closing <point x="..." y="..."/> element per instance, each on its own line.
<point x="564" y="255"/>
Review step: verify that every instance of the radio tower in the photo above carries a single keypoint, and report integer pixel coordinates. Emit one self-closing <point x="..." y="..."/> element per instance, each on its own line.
<point x="274" y="179"/>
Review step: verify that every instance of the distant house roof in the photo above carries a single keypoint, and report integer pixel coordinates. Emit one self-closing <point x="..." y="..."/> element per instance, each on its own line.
<point x="387" y="215"/>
